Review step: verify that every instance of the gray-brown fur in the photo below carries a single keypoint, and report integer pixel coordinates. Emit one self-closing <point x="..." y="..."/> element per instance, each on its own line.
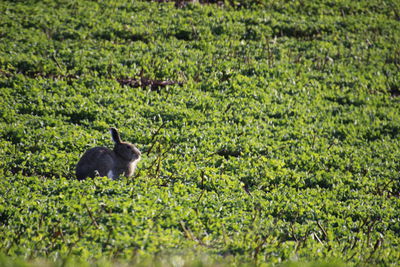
<point x="103" y="161"/>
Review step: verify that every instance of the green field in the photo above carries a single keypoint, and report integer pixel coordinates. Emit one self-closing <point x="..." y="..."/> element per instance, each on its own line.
<point x="269" y="131"/>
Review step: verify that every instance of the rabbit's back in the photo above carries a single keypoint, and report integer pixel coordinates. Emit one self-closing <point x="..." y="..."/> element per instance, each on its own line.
<point x="98" y="160"/>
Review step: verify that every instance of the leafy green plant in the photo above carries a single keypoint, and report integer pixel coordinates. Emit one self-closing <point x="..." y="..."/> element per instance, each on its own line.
<point x="269" y="132"/>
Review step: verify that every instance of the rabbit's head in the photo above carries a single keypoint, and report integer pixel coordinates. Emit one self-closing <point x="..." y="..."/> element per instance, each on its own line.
<point x="124" y="149"/>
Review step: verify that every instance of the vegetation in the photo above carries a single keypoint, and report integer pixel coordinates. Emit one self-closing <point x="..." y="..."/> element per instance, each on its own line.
<point x="269" y="131"/>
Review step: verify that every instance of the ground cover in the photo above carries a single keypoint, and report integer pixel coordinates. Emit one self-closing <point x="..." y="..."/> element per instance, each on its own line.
<point x="269" y="131"/>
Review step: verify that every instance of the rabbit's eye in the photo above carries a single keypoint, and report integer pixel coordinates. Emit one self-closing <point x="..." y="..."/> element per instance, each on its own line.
<point x="128" y="147"/>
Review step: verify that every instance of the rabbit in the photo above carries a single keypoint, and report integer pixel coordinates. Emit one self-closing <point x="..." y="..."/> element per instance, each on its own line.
<point x="102" y="161"/>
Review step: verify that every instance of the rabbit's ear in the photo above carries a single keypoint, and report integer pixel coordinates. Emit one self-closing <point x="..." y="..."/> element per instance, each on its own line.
<point x="115" y="135"/>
